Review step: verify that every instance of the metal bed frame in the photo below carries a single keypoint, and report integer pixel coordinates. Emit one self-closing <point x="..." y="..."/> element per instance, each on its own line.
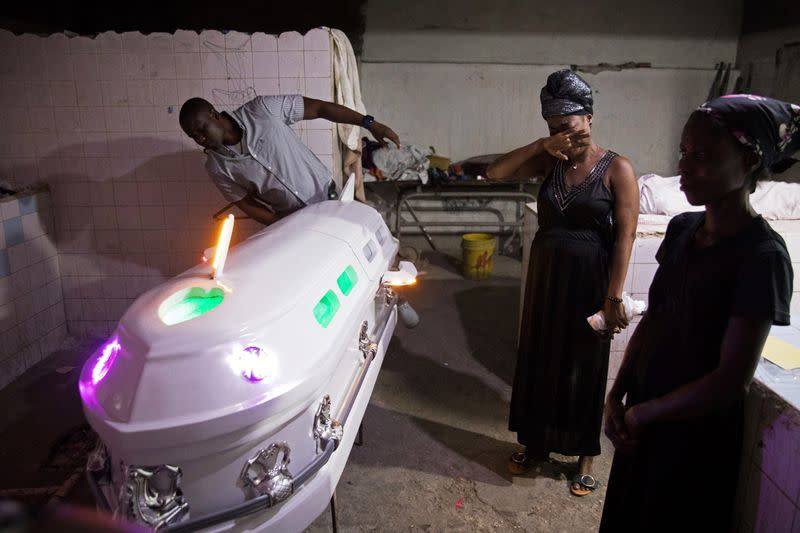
<point x="519" y="192"/>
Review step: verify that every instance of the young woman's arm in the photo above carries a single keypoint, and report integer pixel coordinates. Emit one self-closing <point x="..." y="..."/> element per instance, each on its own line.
<point x="741" y="349"/>
<point x="615" y="428"/>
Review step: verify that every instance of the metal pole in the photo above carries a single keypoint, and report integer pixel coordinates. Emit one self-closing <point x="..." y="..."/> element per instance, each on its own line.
<point x="360" y="436"/>
<point x="399" y="224"/>
<point x="334" y="521"/>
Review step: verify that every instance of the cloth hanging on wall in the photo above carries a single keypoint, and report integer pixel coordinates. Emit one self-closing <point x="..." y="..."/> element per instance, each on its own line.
<point x="347" y="92"/>
<point x="346" y="86"/>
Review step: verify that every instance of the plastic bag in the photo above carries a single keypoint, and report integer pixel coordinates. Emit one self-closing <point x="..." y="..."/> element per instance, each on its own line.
<point x="632" y="308"/>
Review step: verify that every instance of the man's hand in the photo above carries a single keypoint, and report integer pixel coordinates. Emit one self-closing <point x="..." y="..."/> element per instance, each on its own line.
<point x="340" y="114"/>
<point x="556" y="144"/>
<point x="381" y="132"/>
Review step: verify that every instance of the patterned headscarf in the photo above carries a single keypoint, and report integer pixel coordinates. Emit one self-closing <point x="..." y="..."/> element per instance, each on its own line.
<point x="769" y="127"/>
<point x="566" y="93"/>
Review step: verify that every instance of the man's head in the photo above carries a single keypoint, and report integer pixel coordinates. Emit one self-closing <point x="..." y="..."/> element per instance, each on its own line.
<point x="200" y="121"/>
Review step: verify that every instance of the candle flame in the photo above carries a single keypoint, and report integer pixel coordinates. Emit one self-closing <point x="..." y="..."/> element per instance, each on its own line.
<point x="221" y="250"/>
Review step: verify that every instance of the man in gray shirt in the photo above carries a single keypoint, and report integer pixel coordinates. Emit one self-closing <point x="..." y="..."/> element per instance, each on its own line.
<point x="257" y="161"/>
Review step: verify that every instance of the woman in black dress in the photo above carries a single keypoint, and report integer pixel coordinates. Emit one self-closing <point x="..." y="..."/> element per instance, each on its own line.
<point x="588" y="207"/>
<point x="724" y="278"/>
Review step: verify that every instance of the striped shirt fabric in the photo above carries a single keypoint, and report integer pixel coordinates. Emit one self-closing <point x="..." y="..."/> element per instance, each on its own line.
<point x="274" y="165"/>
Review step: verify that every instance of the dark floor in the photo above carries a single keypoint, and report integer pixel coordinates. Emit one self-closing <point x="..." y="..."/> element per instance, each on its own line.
<point x="436" y="441"/>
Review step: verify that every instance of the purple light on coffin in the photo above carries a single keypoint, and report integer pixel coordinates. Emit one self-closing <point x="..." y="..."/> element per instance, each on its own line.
<point x="253" y="363"/>
<point x="105" y="361"/>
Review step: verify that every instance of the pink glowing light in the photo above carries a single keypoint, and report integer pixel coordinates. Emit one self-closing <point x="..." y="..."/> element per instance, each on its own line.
<point x="105" y="361"/>
<point x="253" y="363"/>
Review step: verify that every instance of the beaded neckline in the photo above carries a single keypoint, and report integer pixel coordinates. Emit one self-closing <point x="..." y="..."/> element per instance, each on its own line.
<point x="563" y="193"/>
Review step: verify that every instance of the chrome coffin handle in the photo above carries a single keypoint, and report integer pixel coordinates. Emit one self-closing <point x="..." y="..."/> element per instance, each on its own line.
<point x="267" y="472"/>
<point x="369" y="349"/>
<point x="152" y="495"/>
<point x="326" y="428"/>
<point x="367" y="346"/>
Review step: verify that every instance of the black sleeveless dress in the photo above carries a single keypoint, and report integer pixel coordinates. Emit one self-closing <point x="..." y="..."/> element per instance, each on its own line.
<point x="562" y="365"/>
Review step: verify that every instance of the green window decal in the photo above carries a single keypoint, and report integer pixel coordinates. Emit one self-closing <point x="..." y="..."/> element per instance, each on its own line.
<point x="326" y="309"/>
<point x="347" y="280"/>
<point x="188" y="304"/>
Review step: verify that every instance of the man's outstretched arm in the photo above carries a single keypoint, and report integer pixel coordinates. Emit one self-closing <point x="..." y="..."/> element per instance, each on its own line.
<point x="344" y="115"/>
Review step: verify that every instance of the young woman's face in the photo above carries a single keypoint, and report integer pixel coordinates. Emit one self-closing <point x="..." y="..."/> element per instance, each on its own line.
<point x="712" y="164"/>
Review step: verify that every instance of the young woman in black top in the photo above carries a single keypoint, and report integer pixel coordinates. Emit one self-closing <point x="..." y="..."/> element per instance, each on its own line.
<point x="724" y="278"/>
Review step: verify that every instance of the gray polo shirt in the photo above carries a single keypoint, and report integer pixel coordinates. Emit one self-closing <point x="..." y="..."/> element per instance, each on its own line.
<point x="275" y="165"/>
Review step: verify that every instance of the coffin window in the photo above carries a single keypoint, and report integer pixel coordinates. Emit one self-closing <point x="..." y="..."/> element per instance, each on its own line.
<point x="381" y="233"/>
<point x="326" y="309"/>
<point x="369" y="250"/>
<point x="347" y="280"/>
<point x="189" y="303"/>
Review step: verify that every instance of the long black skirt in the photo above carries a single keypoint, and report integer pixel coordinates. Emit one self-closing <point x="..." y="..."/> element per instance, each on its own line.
<point x="562" y="364"/>
<point x="682" y="476"/>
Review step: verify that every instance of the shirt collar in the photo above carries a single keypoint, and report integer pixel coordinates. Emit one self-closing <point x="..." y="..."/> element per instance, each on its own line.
<point x="229" y="152"/>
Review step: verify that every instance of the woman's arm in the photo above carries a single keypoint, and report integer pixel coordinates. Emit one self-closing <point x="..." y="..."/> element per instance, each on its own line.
<point x="531" y="159"/>
<point x="741" y="349"/>
<point x="622" y="182"/>
<point x="527" y="160"/>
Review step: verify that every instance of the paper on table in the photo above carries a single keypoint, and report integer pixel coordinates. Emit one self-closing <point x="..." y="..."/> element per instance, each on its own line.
<point x="781" y="353"/>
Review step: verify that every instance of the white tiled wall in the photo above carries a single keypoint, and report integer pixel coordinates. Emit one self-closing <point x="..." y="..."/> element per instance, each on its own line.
<point x="97" y="120"/>
<point x="32" y="321"/>
<point x="769" y="477"/>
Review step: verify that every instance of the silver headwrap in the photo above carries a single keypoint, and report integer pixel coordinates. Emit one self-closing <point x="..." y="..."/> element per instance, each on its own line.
<point x="566" y="93"/>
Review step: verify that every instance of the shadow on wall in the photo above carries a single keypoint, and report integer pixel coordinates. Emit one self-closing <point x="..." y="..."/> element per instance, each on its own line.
<point x="129" y="213"/>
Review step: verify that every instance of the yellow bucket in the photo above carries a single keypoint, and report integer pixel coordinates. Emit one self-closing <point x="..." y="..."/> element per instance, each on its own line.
<point x="440" y="162"/>
<point x="477" y="252"/>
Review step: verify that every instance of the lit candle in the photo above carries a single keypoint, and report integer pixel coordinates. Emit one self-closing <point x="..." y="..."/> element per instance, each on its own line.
<point x="221" y="250"/>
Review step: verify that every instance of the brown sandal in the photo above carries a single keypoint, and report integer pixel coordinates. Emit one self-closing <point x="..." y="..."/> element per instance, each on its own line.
<point x="520" y="462"/>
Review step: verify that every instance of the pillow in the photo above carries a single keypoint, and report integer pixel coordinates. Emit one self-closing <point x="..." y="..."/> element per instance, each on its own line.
<point x="663" y="196"/>
<point x="777" y="200"/>
<point x="774" y="200"/>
